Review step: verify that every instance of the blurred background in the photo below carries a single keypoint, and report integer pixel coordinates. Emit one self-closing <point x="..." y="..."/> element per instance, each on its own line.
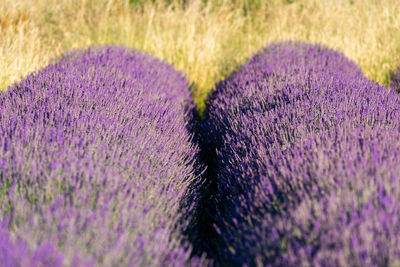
<point x="206" y="39"/>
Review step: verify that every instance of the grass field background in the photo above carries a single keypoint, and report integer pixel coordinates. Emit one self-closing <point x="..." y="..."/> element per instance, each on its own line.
<point x="206" y="40"/>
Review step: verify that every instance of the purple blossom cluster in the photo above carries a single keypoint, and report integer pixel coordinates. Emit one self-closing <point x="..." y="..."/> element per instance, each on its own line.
<point x="96" y="162"/>
<point x="304" y="164"/>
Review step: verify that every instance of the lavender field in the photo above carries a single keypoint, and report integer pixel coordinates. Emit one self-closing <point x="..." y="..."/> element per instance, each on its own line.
<point x="105" y="161"/>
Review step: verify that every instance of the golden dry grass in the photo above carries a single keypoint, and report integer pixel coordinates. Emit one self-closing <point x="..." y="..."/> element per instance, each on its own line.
<point x="205" y="39"/>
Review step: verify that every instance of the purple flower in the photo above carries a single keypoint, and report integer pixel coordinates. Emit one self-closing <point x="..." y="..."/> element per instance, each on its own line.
<point x="303" y="161"/>
<point x="97" y="160"/>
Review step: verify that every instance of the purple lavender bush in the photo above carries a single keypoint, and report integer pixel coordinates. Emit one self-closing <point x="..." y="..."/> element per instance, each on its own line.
<point x="96" y="161"/>
<point x="16" y="253"/>
<point x="303" y="163"/>
<point x="343" y="206"/>
<point x="395" y="80"/>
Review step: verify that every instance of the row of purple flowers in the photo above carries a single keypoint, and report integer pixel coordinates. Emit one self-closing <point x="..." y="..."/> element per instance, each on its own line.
<point x="96" y="162"/>
<point x="305" y="163"/>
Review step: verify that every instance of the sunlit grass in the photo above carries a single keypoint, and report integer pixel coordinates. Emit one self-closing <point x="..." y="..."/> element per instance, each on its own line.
<point x="207" y="40"/>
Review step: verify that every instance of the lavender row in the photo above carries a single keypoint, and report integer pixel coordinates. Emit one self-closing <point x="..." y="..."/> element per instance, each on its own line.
<point x="303" y="152"/>
<point x="96" y="162"/>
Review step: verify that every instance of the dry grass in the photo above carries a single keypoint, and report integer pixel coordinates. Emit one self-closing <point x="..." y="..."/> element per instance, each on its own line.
<point x="205" y="39"/>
